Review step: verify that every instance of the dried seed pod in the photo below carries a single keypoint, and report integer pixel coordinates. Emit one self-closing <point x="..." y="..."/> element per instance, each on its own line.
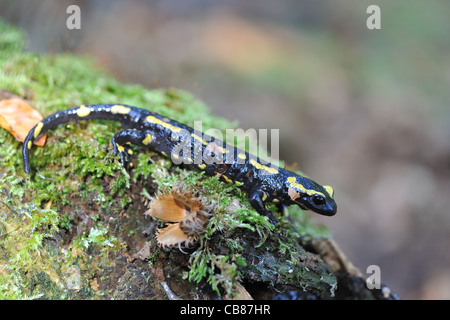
<point x="173" y="235"/>
<point x="168" y="209"/>
<point x="187" y="214"/>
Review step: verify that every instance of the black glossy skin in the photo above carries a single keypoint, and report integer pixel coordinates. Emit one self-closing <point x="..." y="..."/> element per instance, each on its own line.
<point x="261" y="183"/>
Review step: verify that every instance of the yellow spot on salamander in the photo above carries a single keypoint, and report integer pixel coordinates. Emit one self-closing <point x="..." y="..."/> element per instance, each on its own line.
<point x="148" y="139"/>
<point x="260" y="166"/>
<point x="120" y="148"/>
<point x="270" y="170"/>
<point x="264" y="197"/>
<point x="175" y="156"/>
<point x="130" y="151"/>
<point x="275" y="200"/>
<point x="193" y="135"/>
<point x="227" y="179"/>
<point x="202" y="166"/>
<point x="242" y="156"/>
<point x="83" y="111"/>
<point x="169" y="126"/>
<point x="222" y="149"/>
<point x="329" y="190"/>
<point x="292" y="181"/>
<point x="29" y="145"/>
<point x="38" y="129"/>
<point x="118" y="109"/>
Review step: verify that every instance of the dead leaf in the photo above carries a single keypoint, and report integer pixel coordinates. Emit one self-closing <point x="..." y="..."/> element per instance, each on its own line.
<point x="19" y="118"/>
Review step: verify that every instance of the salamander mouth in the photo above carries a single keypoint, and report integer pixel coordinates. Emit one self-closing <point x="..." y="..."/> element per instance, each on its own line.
<point x="302" y="206"/>
<point x="328" y="210"/>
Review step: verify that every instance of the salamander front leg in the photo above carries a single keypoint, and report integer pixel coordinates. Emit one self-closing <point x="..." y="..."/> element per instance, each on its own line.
<point x="121" y="142"/>
<point x="282" y="209"/>
<point x="257" y="203"/>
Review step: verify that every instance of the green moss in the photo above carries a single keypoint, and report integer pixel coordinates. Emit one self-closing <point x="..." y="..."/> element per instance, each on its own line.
<point x="24" y="255"/>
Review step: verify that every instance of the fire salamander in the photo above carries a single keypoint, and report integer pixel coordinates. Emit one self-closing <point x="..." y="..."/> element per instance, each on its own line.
<point x="262" y="183"/>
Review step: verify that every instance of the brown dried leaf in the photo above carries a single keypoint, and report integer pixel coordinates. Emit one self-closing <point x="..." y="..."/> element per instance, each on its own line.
<point x="19" y="118"/>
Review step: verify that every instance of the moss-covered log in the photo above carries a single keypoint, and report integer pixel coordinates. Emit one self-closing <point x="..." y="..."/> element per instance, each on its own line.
<point x="76" y="227"/>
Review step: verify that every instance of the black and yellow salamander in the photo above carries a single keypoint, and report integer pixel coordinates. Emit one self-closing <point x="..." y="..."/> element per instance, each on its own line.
<point x="262" y="183"/>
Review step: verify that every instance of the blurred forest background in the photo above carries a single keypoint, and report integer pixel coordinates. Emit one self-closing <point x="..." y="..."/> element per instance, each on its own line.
<point x="366" y="111"/>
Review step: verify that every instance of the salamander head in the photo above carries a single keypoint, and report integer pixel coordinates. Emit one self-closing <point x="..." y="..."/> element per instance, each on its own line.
<point x="310" y="195"/>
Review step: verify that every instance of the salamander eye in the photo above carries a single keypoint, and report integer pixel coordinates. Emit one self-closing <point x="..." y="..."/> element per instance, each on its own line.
<point x="318" y="200"/>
